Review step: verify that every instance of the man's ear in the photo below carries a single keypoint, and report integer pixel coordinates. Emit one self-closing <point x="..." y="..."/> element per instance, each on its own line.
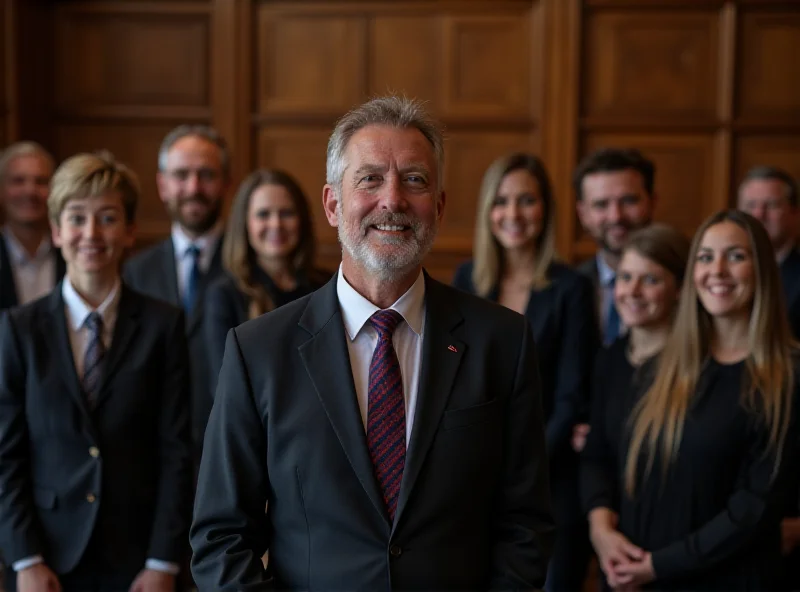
<point x="330" y="201"/>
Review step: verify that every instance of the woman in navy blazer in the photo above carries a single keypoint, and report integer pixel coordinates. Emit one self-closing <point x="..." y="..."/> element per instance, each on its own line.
<point x="514" y="263"/>
<point x="268" y="254"/>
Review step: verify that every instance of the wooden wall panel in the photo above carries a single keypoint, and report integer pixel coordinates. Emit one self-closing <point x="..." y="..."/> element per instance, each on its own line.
<point x="777" y="150"/>
<point x="650" y="63"/>
<point x="132" y="59"/>
<point x="487" y="66"/>
<point x="409" y="72"/>
<point x="5" y="73"/>
<point x="308" y="64"/>
<point x="768" y="84"/>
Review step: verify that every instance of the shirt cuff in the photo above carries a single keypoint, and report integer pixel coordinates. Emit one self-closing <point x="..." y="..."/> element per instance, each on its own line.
<point x="162" y="566"/>
<point x="27" y="562"/>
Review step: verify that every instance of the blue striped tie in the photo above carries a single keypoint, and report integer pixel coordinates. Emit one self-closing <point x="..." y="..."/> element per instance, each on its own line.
<point x="93" y="358"/>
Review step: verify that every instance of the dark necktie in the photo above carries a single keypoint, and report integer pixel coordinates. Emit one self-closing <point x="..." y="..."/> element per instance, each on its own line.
<point x="93" y="358"/>
<point x="612" y="320"/>
<point x="386" y="416"/>
<point x="193" y="280"/>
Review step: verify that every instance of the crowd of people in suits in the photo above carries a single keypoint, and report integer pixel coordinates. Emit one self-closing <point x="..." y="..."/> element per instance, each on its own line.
<point x="168" y="418"/>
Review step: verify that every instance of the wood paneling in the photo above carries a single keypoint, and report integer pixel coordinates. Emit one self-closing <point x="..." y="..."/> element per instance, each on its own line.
<point x="132" y="59"/>
<point x="768" y="86"/>
<point x="650" y="63"/>
<point x="309" y="64"/>
<point x="777" y="150"/>
<point x="4" y="71"/>
<point x="705" y="87"/>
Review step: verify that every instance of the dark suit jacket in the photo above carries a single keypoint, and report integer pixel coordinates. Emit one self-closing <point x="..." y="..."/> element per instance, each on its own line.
<point x="131" y="452"/>
<point x="565" y="330"/>
<point x="473" y="509"/>
<point x="790" y="277"/>
<point x="226" y="307"/>
<point x="9" y="297"/>
<point x="153" y="272"/>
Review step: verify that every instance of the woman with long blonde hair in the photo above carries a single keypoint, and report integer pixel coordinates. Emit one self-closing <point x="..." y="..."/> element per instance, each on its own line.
<point x="514" y="264"/>
<point x="696" y="461"/>
<point x="268" y="254"/>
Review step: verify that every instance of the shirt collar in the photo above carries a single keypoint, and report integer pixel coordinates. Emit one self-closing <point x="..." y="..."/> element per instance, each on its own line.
<point x="18" y="253"/>
<point x="78" y="309"/>
<point x="605" y="273"/>
<point x="205" y="243"/>
<point x="357" y="310"/>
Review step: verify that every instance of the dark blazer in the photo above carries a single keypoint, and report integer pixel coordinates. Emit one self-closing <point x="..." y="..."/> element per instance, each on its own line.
<point x="119" y="473"/>
<point x="226" y="307"/>
<point x="790" y="277"/>
<point x="9" y="297"/>
<point x="473" y="510"/>
<point x="153" y="272"/>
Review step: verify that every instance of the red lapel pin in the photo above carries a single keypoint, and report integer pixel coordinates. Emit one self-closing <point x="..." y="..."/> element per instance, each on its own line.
<point x="452" y="348"/>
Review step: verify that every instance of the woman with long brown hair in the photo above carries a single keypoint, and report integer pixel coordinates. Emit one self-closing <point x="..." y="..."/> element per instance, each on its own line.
<point x="268" y="253"/>
<point x="684" y="491"/>
<point x="515" y="265"/>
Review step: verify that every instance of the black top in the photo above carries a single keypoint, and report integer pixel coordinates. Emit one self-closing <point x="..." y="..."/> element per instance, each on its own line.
<point x="712" y="523"/>
<point x="228" y="307"/>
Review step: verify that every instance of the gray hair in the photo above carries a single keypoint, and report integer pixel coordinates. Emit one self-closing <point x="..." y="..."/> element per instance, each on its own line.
<point x="392" y="111"/>
<point x="24" y="149"/>
<point x="770" y="173"/>
<point x="202" y="131"/>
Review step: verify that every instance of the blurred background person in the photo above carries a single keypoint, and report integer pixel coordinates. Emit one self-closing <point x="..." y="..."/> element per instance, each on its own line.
<point x="268" y="253"/>
<point x="193" y="180"/>
<point x="615" y="195"/>
<point x="649" y="278"/>
<point x="30" y="266"/>
<point x="769" y="194"/>
<point x="685" y="490"/>
<point x="515" y="265"/>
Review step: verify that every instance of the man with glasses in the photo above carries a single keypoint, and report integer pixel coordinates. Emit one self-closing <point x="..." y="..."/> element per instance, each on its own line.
<point x="193" y="179"/>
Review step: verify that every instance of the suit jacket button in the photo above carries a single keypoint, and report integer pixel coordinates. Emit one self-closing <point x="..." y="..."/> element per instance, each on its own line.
<point x="94" y="452"/>
<point x="90" y="498"/>
<point x="395" y="550"/>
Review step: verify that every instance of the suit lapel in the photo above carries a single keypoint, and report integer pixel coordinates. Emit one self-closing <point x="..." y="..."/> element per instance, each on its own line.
<point x="327" y="362"/>
<point x="55" y="328"/>
<point x="125" y="330"/>
<point x="441" y="356"/>
<point x="8" y="289"/>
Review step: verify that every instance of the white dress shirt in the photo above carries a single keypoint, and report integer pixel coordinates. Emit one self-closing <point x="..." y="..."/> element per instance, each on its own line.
<point x="77" y="311"/>
<point x="362" y="339"/>
<point x="33" y="276"/>
<point x="183" y="262"/>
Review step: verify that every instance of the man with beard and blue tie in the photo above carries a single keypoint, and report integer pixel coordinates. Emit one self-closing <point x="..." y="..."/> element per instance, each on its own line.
<point x="391" y="424"/>
<point x="193" y="179"/>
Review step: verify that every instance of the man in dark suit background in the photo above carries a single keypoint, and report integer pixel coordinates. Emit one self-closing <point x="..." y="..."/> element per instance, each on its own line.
<point x="193" y="179"/>
<point x="615" y="196"/>
<point x="392" y="423"/>
<point x="95" y="454"/>
<point x="30" y="266"/>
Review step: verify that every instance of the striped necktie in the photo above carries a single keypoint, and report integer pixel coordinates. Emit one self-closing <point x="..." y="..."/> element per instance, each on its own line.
<point x="386" y="416"/>
<point x="93" y="358"/>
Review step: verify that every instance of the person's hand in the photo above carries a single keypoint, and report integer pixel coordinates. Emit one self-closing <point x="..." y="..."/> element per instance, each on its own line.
<point x="634" y="575"/>
<point x="613" y="551"/>
<point x="37" y="578"/>
<point x="790" y="534"/>
<point x="579" y="433"/>
<point x="150" y="580"/>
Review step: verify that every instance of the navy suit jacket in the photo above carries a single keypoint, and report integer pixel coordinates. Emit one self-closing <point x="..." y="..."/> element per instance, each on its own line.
<point x="473" y="510"/>
<point x="119" y="472"/>
<point x="790" y="277"/>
